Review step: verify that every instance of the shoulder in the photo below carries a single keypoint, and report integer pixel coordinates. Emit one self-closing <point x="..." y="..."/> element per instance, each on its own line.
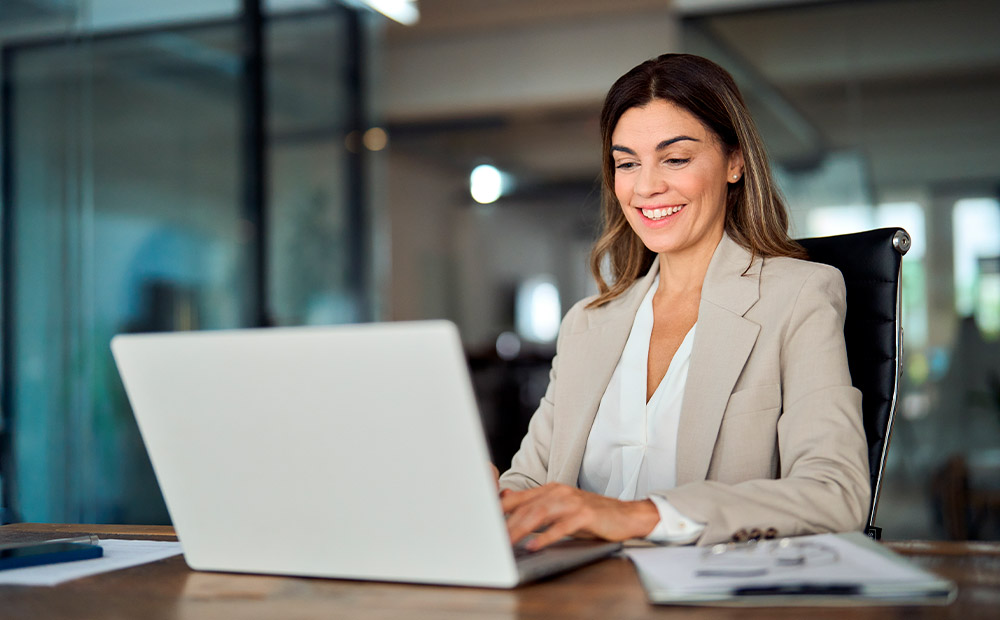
<point x="579" y="311"/>
<point x="582" y="316"/>
<point x="792" y="274"/>
<point x="793" y="283"/>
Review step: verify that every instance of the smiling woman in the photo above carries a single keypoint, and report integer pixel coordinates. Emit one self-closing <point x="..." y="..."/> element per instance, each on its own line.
<point x="703" y="395"/>
<point x="672" y="191"/>
<point x="700" y="91"/>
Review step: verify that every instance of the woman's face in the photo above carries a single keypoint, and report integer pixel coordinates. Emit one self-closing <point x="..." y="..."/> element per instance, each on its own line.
<point x="671" y="176"/>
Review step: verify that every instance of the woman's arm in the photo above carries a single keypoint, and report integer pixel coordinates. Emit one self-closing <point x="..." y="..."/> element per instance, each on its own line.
<point x="562" y="510"/>
<point x="824" y="479"/>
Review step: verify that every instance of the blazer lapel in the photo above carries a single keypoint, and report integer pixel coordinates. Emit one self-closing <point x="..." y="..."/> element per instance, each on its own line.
<point x="722" y="344"/>
<point x="604" y="336"/>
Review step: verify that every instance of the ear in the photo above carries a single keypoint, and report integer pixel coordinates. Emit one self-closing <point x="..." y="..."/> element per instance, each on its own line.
<point x="735" y="168"/>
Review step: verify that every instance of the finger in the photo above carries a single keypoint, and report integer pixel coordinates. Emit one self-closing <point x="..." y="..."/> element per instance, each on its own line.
<point x="513" y="499"/>
<point x="516" y="498"/>
<point x="557" y="531"/>
<point x="526" y="520"/>
<point x="557" y="503"/>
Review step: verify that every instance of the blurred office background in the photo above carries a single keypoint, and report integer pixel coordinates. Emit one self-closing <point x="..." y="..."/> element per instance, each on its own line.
<point x="206" y="164"/>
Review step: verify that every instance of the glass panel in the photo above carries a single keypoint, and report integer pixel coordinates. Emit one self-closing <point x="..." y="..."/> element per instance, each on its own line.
<point x="120" y="14"/>
<point x="312" y="265"/>
<point x="127" y="217"/>
<point x="126" y="204"/>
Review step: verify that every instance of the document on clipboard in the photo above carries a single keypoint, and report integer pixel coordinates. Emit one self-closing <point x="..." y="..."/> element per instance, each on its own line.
<point x="822" y="569"/>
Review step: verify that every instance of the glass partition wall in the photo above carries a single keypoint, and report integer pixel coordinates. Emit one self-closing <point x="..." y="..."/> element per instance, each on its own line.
<point x="126" y="210"/>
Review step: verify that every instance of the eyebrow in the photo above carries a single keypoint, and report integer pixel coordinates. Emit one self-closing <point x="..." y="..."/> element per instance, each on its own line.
<point x="659" y="147"/>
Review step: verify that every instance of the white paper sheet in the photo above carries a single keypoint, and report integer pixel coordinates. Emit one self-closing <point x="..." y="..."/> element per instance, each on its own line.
<point x="673" y="572"/>
<point x="118" y="554"/>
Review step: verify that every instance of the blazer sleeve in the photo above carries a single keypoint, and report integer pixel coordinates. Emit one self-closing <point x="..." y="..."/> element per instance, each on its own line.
<point x="529" y="467"/>
<point x="823" y="462"/>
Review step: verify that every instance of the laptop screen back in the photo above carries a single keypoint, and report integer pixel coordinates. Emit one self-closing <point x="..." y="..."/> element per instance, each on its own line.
<point x="352" y="451"/>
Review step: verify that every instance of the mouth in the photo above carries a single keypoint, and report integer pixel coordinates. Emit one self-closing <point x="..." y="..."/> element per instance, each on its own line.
<point x="660" y="213"/>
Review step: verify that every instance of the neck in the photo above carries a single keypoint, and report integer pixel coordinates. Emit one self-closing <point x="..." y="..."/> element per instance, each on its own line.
<point x="684" y="272"/>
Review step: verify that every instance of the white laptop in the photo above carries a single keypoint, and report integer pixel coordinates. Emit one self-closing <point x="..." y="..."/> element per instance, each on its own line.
<point x="350" y="452"/>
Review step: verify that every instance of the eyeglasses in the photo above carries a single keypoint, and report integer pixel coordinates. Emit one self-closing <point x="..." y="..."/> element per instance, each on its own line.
<point x="755" y="558"/>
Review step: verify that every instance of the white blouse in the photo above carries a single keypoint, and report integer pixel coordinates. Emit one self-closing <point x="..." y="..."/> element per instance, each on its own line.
<point x="632" y="447"/>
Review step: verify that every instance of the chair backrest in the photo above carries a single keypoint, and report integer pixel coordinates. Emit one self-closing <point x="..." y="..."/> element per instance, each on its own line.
<point x="871" y="262"/>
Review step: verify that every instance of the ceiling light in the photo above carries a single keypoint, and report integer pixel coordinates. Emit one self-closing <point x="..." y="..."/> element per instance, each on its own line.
<point x="485" y="184"/>
<point x="402" y="11"/>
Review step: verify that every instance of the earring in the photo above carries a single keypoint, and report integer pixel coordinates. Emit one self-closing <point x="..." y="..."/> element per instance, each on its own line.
<point x="736" y="177"/>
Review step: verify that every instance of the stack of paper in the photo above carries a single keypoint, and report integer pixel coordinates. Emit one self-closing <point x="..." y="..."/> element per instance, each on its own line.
<point x="118" y="554"/>
<point x="827" y="569"/>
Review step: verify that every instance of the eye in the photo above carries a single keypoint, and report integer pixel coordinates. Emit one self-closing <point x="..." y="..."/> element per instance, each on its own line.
<point x="626" y="165"/>
<point x="677" y="161"/>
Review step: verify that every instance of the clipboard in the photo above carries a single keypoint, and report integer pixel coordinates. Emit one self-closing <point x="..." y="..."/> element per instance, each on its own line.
<point x="848" y="569"/>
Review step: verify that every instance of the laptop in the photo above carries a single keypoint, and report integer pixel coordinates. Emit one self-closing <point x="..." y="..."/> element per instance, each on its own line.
<point x="350" y="452"/>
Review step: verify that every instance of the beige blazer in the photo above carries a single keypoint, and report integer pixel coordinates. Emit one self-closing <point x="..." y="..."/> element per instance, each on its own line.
<point x="770" y="431"/>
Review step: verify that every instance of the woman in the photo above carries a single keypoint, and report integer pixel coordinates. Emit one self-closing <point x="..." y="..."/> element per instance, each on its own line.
<point x="704" y="394"/>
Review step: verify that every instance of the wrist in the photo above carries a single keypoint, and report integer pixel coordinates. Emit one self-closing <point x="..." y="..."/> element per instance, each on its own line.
<point x="644" y="516"/>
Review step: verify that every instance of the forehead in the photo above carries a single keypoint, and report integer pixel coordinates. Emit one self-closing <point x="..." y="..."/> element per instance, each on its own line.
<point x="656" y="121"/>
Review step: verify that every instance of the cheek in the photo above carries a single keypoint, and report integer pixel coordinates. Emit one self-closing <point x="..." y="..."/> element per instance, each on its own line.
<point x="623" y="191"/>
<point x="703" y="186"/>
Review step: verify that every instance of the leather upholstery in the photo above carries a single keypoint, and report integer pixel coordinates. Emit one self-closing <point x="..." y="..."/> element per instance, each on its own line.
<point x="870" y="264"/>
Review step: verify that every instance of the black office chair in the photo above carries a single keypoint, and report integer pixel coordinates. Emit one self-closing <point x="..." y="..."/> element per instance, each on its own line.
<point x="871" y="262"/>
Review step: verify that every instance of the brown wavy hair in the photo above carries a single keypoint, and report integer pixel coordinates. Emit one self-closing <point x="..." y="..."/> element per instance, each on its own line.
<point x="756" y="217"/>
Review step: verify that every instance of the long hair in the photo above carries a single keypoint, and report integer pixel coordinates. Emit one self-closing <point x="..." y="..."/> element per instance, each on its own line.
<point x="755" y="218"/>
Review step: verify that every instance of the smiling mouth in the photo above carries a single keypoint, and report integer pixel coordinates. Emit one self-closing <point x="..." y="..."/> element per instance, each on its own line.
<point x="659" y="214"/>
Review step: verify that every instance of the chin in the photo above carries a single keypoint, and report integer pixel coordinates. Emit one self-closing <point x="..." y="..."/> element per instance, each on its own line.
<point x="661" y="245"/>
<point x="677" y="244"/>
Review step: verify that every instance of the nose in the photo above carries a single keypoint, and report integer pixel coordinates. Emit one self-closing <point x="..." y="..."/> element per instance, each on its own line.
<point x="649" y="182"/>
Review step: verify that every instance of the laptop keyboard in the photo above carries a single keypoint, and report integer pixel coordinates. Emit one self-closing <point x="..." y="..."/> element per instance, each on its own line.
<point x="520" y="551"/>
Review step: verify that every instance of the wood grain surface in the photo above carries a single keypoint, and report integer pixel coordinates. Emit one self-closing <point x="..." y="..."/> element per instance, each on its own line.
<point x="608" y="589"/>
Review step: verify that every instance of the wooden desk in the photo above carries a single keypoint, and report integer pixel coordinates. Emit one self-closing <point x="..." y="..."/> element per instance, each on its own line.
<point x="607" y="590"/>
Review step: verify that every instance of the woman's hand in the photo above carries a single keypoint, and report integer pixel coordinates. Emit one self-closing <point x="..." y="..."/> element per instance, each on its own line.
<point x="566" y="511"/>
<point x="496" y="475"/>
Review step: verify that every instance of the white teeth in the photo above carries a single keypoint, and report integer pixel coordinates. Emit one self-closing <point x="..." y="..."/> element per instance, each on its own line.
<point x="659" y="214"/>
